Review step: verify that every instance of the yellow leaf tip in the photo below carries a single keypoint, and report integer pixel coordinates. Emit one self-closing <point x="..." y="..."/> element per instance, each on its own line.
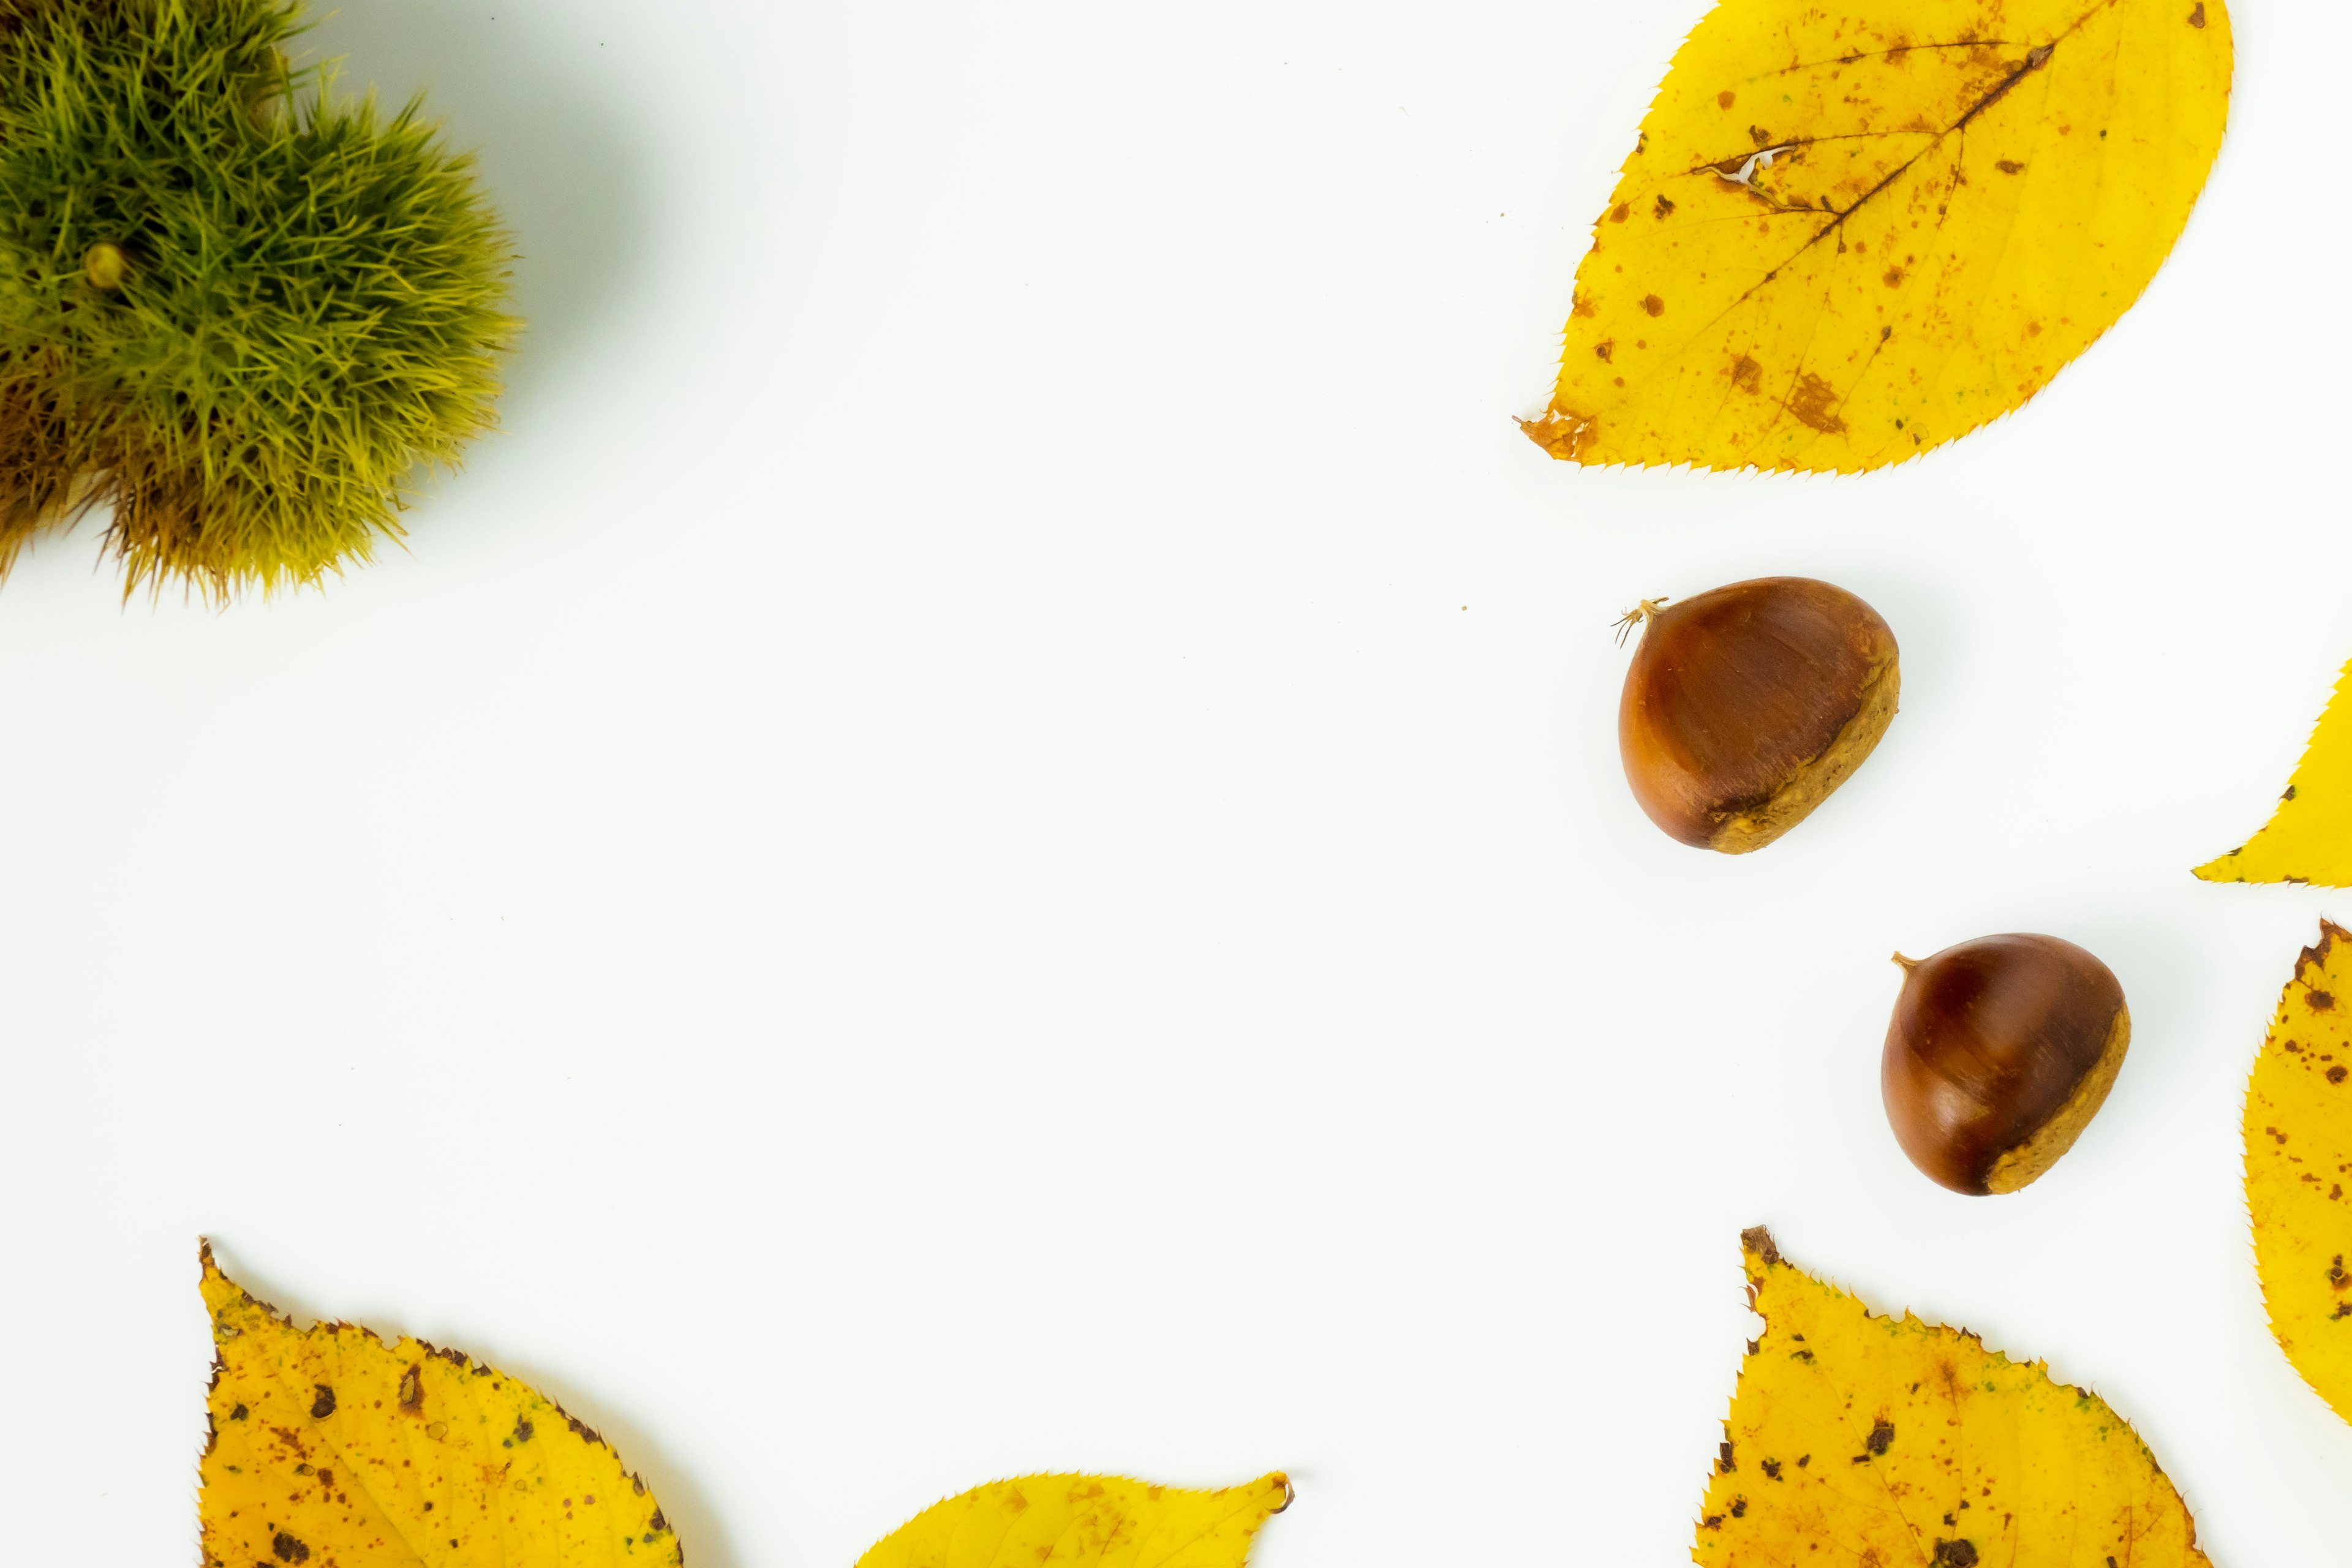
<point x="1756" y="1241"/>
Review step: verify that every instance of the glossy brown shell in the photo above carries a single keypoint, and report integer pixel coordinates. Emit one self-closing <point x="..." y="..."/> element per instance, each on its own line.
<point x="2001" y="1048"/>
<point x="1746" y="706"/>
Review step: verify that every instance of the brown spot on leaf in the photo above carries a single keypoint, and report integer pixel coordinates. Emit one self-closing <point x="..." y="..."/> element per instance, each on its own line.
<point x="1746" y="374"/>
<point x="2009" y="166"/>
<point x="1893" y="277"/>
<point x="1621" y="212"/>
<point x="1603" y="349"/>
<point x="324" y="1405"/>
<point x="289" y="1550"/>
<point x="1880" y="1437"/>
<point x="412" y="1389"/>
<point x="1814" y="402"/>
<point x="2197" y="15"/>
<point x="1665" y="207"/>
<point x="1759" y="1240"/>
<point x="1954" y="1555"/>
<point x="1772" y="1470"/>
<point x="1726" y="98"/>
<point x="1723" y="1463"/>
<point x="1651" y="303"/>
<point x="2321" y="1001"/>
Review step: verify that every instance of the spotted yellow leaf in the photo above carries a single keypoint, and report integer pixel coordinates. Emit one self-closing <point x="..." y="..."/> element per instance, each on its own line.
<point x="1852" y="232"/>
<point x="2299" y="1167"/>
<point x="2309" y="835"/>
<point x="1856" y="1438"/>
<point x="331" y="1447"/>
<point x="1084" y="1521"/>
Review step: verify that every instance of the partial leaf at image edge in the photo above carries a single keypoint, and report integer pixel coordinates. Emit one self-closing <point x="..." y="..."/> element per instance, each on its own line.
<point x="2299" y="1167"/>
<point x="1849" y="234"/>
<point x="2309" y="835"/>
<point x="333" y="1448"/>
<point x="1084" y="1521"/>
<point x="1897" y="1441"/>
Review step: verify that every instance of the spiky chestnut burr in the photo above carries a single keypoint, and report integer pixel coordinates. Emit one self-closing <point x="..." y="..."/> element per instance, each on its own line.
<point x="240" y="311"/>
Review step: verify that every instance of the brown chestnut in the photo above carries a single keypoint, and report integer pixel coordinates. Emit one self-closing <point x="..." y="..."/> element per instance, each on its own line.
<point x="1746" y="706"/>
<point x="2000" y="1052"/>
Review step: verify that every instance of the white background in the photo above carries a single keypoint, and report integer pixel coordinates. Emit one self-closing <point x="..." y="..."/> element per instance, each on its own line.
<point x="989" y="835"/>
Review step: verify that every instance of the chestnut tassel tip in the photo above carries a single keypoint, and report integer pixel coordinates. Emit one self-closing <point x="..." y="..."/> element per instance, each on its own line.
<point x="1641" y="614"/>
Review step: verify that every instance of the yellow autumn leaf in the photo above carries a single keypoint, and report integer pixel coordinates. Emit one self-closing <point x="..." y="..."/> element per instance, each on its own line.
<point x="1848" y="233"/>
<point x="2299" y="1167"/>
<point x="1084" y="1521"/>
<point x="2309" y="835"/>
<point x="335" y="1448"/>
<point x="1893" y="1441"/>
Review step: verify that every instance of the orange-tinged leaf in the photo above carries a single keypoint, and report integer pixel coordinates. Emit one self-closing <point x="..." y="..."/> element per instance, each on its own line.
<point x="334" y="1448"/>
<point x="1084" y="1521"/>
<point x="1849" y="233"/>
<point x="1856" y="1438"/>
<point x="2299" y="1167"/>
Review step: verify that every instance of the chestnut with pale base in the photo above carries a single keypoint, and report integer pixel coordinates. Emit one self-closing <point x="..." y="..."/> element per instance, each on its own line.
<point x="2000" y="1052"/>
<point x="1746" y="706"/>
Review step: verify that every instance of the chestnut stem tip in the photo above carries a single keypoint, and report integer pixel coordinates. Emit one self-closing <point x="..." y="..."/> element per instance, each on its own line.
<point x="1640" y="615"/>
